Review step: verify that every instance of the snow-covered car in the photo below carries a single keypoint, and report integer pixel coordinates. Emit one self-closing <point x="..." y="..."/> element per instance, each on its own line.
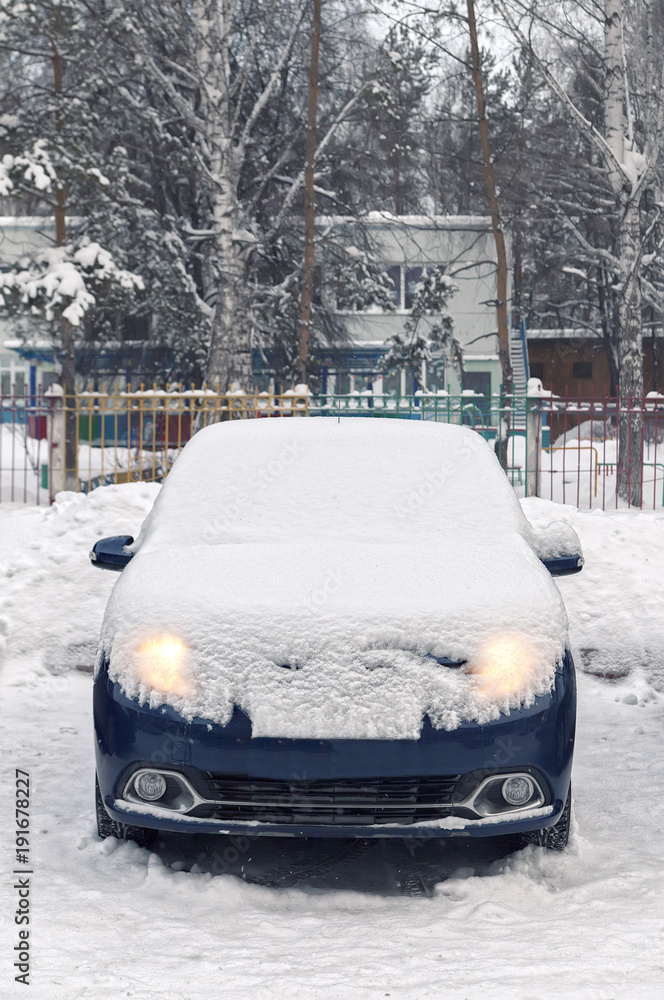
<point x="336" y="628"/>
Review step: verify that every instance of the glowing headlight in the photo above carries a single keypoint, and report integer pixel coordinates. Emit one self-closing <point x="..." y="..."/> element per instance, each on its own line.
<point x="504" y="666"/>
<point x="162" y="663"/>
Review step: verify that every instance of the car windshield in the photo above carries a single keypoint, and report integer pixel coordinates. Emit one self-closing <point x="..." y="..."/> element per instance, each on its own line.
<point x="275" y="480"/>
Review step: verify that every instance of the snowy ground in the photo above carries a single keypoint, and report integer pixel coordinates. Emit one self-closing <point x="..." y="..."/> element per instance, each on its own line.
<point x="335" y="921"/>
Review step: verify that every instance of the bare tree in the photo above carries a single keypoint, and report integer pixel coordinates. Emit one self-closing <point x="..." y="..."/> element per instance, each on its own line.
<point x="630" y="164"/>
<point x="227" y="136"/>
<point x="309" y="203"/>
<point x="48" y="168"/>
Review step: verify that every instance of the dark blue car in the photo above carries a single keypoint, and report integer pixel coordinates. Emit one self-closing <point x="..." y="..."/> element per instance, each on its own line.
<point x="336" y="629"/>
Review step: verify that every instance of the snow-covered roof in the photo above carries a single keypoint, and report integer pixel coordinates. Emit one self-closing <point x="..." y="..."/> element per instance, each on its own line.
<point x="316" y="570"/>
<point x="33" y="221"/>
<point x="19" y="345"/>
<point x="416" y="221"/>
<point x="564" y="333"/>
<point x="581" y="333"/>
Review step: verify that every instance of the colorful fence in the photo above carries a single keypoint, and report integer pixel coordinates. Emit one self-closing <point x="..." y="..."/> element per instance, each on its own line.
<point x="566" y="450"/>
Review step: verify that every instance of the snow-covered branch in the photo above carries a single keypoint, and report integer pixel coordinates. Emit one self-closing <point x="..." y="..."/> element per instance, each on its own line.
<point x="62" y="282"/>
<point x="589" y="129"/>
<point x="320" y="149"/>
<point x="33" y="169"/>
<point x="264" y="97"/>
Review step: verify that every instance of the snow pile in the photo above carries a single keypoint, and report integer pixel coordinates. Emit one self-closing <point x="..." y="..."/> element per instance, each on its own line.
<point x="50" y="596"/>
<point x="322" y="574"/>
<point x="586" y="430"/>
<point x="615" y="604"/>
<point x="556" y="540"/>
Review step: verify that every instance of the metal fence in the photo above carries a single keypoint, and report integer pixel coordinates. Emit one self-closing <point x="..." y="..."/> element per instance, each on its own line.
<point x="26" y="447"/>
<point x="588" y="440"/>
<point x="566" y="450"/>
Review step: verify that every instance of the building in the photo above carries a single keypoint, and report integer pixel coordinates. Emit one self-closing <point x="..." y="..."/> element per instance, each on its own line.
<point x="20" y="235"/>
<point x="573" y="362"/>
<point x="463" y="247"/>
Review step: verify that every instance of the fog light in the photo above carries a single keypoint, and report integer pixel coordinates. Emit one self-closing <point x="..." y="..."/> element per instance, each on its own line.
<point x="518" y="790"/>
<point x="150" y="785"/>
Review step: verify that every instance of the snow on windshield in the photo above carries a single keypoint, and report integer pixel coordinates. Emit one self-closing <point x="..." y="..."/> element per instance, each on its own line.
<point x="375" y="479"/>
<point x="336" y="579"/>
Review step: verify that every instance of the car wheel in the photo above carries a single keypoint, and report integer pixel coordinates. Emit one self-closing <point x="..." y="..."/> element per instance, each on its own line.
<point x="554" y="837"/>
<point x="107" y="827"/>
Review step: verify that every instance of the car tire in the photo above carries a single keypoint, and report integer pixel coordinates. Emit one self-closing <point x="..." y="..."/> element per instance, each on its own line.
<point x="556" y="837"/>
<point x="107" y="827"/>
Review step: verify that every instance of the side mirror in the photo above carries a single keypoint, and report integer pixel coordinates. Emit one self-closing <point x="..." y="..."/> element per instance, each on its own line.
<point x="564" y="565"/>
<point x="559" y="548"/>
<point x="111" y="553"/>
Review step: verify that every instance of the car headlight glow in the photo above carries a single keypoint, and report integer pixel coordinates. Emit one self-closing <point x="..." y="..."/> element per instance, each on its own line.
<point x="162" y="663"/>
<point x="504" y="666"/>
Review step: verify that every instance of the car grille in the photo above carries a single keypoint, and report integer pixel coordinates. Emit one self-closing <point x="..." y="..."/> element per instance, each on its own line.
<point x="330" y="802"/>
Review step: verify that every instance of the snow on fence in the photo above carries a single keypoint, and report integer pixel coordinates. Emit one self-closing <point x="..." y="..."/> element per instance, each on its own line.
<point x="565" y="450"/>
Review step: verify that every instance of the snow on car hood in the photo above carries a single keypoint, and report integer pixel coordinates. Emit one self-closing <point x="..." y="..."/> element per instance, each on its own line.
<point x="323" y="576"/>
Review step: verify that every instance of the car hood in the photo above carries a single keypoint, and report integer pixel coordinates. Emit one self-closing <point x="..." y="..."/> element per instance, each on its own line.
<point x="336" y="639"/>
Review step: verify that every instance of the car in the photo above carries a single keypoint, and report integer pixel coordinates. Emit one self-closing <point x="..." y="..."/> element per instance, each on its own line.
<point x="336" y="628"/>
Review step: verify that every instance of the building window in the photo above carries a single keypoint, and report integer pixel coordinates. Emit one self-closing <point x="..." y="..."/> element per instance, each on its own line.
<point x="582" y="369"/>
<point x="135" y="328"/>
<point x="47" y="380"/>
<point x="479" y="382"/>
<point x="12" y="375"/>
<point x="412" y="278"/>
<point x="394" y="274"/>
<point x="405" y="280"/>
<point x="537" y="370"/>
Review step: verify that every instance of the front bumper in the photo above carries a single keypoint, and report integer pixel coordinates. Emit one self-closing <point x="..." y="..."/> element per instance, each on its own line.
<point x="538" y="741"/>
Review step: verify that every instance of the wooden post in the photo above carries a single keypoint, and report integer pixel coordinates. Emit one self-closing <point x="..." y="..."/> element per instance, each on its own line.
<point x="532" y="444"/>
<point x="67" y="350"/>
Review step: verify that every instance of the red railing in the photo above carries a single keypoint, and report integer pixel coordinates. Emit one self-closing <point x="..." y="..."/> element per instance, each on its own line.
<point x="581" y="460"/>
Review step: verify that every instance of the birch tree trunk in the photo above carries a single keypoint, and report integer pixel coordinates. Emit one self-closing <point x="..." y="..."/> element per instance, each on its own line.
<point x="614" y="115"/>
<point x="309" y="204"/>
<point x="230" y="344"/>
<point x="630" y="337"/>
<point x="227" y="126"/>
<point x="630" y="379"/>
